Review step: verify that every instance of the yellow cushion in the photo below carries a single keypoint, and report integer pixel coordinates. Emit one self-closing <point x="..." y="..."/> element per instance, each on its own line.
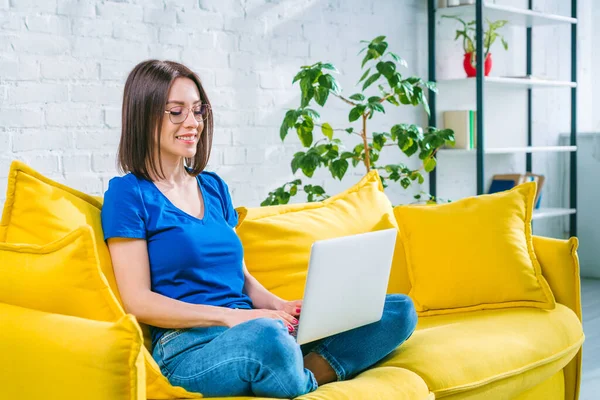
<point x="474" y="254"/>
<point x="61" y="277"/>
<point x="375" y="383"/>
<point x="38" y="211"/>
<point x="53" y="356"/>
<point x="494" y="353"/>
<point x="277" y="240"/>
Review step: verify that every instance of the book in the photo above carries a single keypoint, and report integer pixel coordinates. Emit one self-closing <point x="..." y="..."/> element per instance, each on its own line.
<point x="502" y="182"/>
<point x="464" y="125"/>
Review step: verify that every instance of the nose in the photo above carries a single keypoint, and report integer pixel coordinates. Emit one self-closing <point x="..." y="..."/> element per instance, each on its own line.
<point x="190" y="120"/>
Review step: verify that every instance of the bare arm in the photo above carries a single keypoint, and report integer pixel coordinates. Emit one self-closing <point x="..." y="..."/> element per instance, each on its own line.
<point x="132" y="273"/>
<point x="261" y="297"/>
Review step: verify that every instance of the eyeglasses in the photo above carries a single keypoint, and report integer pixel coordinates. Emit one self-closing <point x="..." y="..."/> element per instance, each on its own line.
<point x="178" y="114"/>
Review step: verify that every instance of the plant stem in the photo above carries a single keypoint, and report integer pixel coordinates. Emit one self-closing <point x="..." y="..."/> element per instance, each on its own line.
<point x="366" y="144"/>
<point x="344" y="99"/>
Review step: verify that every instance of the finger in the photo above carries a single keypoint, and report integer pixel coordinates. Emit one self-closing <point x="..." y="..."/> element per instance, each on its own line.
<point x="288" y="318"/>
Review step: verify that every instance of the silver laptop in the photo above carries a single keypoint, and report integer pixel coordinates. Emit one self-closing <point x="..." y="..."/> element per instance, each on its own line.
<point x="346" y="284"/>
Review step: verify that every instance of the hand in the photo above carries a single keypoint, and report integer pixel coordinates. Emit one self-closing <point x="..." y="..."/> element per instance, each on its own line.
<point x="237" y="316"/>
<point x="293" y="308"/>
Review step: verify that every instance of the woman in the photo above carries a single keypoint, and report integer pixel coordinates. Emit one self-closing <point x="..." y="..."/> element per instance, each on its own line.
<point x="178" y="262"/>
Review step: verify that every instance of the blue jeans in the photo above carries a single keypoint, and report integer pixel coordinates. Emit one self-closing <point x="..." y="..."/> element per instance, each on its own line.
<point x="259" y="357"/>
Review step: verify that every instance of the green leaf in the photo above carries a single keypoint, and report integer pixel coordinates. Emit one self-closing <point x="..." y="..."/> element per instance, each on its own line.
<point x="357" y="97"/>
<point x="355" y="162"/>
<point x="345" y="155"/>
<point x="309" y="164"/>
<point x="405" y="182"/>
<point x="338" y="168"/>
<point x="305" y="132"/>
<point x="374" y="99"/>
<point x="398" y="59"/>
<point x="356" y="113"/>
<point x="386" y="68"/>
<point x="380" y="48"/>
<point x="327" y="130"/>
<point x="306" y="97"/>
<point x="321" y="95"/>
<point x="318" y="190"/>
<point x="299" y="76"/>
<point x="394" y="80"/>
<point x="288" y="122"/>
<point x="378" y="39"/>
<point x="371" y="80"/>
<point x="312" y="114"/>
<point x="297" y="161"/>
<point x="324" y="81"/>
<point x="362" y="78"/>
<point x="429" y="164"/>
<point x="330" y="67"/>
<point x="412" y="149"/>
<point x="371" y="54"/>
<point x="293" y="190"/>
<point x="376" y="107"/>
<point x="305" y="84"/>
<point x="392" y="100"/>
<point x="349" y="130"/>
<point x="378" y="141"/>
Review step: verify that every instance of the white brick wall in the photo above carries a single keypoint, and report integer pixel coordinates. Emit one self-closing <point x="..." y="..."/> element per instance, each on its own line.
<point x="63" y="64"/>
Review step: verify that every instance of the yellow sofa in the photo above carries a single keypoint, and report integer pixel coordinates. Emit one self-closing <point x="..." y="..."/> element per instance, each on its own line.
<point x="512" y="353"/>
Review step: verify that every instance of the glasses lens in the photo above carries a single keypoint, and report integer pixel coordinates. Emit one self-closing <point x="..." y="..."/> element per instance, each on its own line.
<point x="201" y="112"/>
<point x="177" y="115"/>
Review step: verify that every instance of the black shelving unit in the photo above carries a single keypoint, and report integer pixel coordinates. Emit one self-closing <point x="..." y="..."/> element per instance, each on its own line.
<point x="528" y="18"/>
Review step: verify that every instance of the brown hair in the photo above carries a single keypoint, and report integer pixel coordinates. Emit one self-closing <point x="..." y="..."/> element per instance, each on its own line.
<point x="144" y="100"/>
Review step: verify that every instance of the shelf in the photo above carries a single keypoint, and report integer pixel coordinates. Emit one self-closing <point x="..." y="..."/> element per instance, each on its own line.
<point x="552" y="212"/>
<point x="516" y="16"/>
<point x="511" y="150"/>
<point x="527" y="83"/>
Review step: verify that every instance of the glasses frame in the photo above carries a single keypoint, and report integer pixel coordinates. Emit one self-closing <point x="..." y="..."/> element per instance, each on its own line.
<point x="187" y="112"/>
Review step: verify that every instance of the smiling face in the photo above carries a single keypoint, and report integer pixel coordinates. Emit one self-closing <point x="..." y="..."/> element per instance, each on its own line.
<point x="180" y="140"/>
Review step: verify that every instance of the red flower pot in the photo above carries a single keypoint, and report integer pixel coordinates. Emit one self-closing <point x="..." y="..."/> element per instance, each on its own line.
<point x="470" y="68"/>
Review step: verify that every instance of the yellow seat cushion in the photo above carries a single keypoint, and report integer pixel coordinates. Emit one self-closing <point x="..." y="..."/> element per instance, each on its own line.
<point x="60" y="277"/>
<point x="39" y="211"/>
<point x="277" y="240"/>
<point x="377" y="383"/>
<point x="476" y="253"/>
<point x="492" y="353"/>
<point x="68" y="357"/>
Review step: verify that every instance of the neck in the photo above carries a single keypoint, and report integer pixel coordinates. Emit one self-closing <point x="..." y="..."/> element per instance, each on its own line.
<point x="173" y="171"/>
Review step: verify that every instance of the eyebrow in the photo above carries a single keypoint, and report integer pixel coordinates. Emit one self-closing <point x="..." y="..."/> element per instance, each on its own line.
<point x="182" y="102"/>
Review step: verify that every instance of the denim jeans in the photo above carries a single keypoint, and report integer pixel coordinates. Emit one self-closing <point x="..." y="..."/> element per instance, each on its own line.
<point x="259" y="357"/>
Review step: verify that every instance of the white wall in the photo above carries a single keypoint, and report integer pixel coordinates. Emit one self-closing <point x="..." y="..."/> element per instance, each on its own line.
<point x="63" y="64"/>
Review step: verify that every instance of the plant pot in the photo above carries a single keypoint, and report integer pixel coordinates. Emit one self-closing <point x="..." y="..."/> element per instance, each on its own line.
<point x="471" y="69"/>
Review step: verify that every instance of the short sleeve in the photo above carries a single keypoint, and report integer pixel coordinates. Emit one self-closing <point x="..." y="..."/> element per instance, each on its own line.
<point x="123" y="211"/>
<point x="229" y="212"/>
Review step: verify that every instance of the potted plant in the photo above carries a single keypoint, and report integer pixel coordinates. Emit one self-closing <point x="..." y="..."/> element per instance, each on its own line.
<point x="382" y="70"/>
<point x="469" y="39"/>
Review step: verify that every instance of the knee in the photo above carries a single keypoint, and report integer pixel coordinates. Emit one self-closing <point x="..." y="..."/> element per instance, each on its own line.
<point x="400" y="311"/>
<point x="277" y="356"/>
<point x="271" y="341"/>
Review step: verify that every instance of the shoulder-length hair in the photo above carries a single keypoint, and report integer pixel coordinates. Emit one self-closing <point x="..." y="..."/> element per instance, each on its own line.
<point x="144" y="100"/>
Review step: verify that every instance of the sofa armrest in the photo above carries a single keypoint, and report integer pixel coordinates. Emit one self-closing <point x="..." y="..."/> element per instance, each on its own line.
<point x="51" y="356"/>
<point x="560" y="266"/>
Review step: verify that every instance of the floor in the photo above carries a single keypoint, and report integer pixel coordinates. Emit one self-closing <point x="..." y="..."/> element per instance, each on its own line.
<point x="590" y="303"/>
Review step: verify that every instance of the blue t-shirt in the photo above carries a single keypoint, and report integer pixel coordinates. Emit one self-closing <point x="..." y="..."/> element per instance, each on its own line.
<point x="199" y="261"/>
